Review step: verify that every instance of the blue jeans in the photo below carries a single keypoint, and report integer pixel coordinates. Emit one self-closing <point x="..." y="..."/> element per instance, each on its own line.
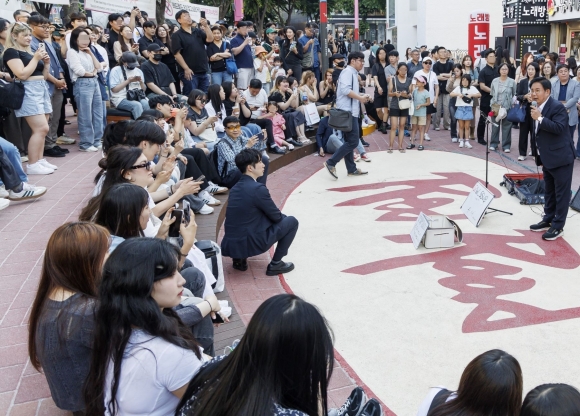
<point x="351" y="141"/>
<point x="135" y="107"/>
<point x="13" y="155"/>
<point x="220" y="77"/>
<point x="334" y="143"/>
<point x="90" y="111"/>
<point x="198" y="81"/>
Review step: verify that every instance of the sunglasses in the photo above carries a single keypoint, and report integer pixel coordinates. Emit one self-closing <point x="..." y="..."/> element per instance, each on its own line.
<point x="234" y="127"/>
<point x="146" y="165"/>
<point x="427" y="63"/>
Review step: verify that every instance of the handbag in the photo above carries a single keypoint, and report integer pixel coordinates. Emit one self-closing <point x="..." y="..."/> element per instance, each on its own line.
<point x="231" y="67"/>
<point x="308" y="59"/>
<point x="133" y="95"/>
<point x="517" y="114"/>
<point x="405" y="103"/>
<point x="11" y="94"/>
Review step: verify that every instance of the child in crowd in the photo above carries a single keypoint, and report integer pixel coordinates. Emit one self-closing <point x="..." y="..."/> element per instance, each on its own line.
<point x="278" y="125"/>
<point x="465" y="94"/>
<point x="278" y="70"/>
<point x="262" y="67"/>
<point x="421" y="101"/>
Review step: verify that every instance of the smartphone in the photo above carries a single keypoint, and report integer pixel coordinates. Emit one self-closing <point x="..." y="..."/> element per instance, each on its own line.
<point x="107" y="31"/>
<point x="218" y="319"/>
<point x="186" y="212"/>
<point x="260" y="136"/>
<point x="41" y="45"/>
<point x="219" y="114"/>
<point x="202" y="13"/>
<point x="201" y="178"/>
<point x="174" y="228"/>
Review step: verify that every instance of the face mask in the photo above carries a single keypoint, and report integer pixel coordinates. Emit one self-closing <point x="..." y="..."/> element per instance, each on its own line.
<point x="157" y="57"/>
<point x="131" y="66"/>
<point x="340" y="64"/>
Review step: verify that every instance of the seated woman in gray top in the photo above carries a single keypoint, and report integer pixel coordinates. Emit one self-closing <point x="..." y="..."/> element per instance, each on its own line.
<point x="61" y="321"/>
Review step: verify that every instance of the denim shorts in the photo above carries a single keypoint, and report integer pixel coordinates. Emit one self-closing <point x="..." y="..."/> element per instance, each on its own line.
<point x="464" y="112"/>
<point x="36" y="99"/>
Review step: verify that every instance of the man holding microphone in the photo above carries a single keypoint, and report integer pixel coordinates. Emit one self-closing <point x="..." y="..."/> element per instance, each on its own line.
<point x="347" y="98"/>
<point x="553" y="149"/>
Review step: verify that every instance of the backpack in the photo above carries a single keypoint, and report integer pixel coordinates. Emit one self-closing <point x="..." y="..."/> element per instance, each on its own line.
<point x="372" y="59"/>
<point x="438" y="400"/>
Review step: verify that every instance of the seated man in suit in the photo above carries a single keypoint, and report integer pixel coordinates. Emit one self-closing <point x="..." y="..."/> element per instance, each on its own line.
<point x="553" y="148"/>
<point x="253" y="222"/>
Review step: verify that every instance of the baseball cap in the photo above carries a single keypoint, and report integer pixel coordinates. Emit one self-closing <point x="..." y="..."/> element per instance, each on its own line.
<point x="427" y="59"/>
<point x="153" y="47"/>
<point x="337" y="56"/>
<point x="130" y="59"/>
<point x="421" y="78"/>
<point x="252" y="35"/>
<point x="241" y="23"/>
<point x="268" y="31"/>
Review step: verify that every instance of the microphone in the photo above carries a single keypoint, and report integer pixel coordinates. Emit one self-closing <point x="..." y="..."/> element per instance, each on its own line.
<point x="534" y="103"/>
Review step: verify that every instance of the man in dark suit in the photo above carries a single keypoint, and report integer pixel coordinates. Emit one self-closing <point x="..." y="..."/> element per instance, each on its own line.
<point x="253" y="222"/>
<point x="553" y="149"/>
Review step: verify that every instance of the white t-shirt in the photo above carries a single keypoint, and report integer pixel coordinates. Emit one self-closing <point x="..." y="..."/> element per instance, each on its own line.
<point x="367" y="54"/>
<point x="265" y="74"/>
<point x="219" y="124"/>
<point x="426" y="404"/>
<point x="464" y="91"/>
<point x="117" y="77"/>
<point x="151" y="369"/>
<point x="431" y="79"/>
<point x="256" y="101"/>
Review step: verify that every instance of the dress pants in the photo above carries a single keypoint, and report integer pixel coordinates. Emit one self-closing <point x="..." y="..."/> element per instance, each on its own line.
<point x="351" y="141"/>
<point x="234" y="175"/>
<point x="442" y="105"/>
<point x="286" y="233"/>
<point x="506" y="133"/>
<point x="483" y="112"/>
<point x="557" y="197"/>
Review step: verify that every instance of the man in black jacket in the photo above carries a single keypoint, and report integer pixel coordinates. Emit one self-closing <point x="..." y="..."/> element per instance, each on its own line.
<point x="253" y="221"/>
<point x="554" y="151"/>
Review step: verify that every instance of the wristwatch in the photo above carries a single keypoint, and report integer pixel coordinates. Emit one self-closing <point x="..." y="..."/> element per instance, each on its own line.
<point x="540" y="119"/>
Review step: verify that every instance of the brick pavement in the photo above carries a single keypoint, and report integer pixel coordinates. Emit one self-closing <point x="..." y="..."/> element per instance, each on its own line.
<point x="25" y="228"/>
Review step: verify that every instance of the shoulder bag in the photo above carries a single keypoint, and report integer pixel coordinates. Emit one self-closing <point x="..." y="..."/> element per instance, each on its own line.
<point x="11" y="94"/>
<point x="231" y="67"/>
<point x="308" y="58"/>
<point x="340" y="119"/>
<point x="405" y="103"/>
<point x="133" y="95"/>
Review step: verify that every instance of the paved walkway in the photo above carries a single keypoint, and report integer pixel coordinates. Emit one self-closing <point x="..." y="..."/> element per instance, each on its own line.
<point x="26" y="227"/>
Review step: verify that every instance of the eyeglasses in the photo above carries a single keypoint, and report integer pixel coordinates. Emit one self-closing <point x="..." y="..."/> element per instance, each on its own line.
<point x="43" y="27"/>
<point x="146" y="165"/>
<point x="203" y="100"/>
<point x="234" y="127"/>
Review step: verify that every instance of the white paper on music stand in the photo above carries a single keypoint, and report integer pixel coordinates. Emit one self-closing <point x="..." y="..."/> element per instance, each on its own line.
<point x="476" y="203"/>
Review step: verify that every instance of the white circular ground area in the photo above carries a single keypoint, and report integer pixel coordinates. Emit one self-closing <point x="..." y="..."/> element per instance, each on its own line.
<point x="407" y="319"/>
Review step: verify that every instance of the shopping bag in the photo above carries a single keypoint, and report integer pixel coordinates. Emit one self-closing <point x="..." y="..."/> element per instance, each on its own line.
<point x="311" y="114"/>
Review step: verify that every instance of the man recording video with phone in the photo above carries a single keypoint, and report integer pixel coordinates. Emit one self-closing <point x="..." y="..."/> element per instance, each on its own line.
<point x="253" y="221"/>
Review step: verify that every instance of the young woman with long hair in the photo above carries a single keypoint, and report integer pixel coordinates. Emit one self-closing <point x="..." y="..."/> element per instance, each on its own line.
<point x="288" y="102"/>
<point x="215" y="107"/>
<point x="143" y="355"/>
<point x="552" y="399"/>
<point x="201" y="124"/>
<point x="327" y="87"/>
<point x="548" y="70"/>
<point x="399" y="89"/>
<point x="168" y="59"/>
<point x="281" y="366"/>
<point x="308" y="86"/>
<point x="291" y="52"/>
<point x="32" y="70"/>
<point x="521" y="70"/>
<point x="61" y="322"/>
<point x="381" y="88"/>
<point x="126" y="43"/>
<point x="236" y="105"/>
<point x="524" y="96"/>
<point x="490" y="385"/>
<point x="217" y="52"/>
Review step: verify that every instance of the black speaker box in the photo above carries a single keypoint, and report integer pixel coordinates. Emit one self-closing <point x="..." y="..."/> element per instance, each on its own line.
<point x="575" y="203"/>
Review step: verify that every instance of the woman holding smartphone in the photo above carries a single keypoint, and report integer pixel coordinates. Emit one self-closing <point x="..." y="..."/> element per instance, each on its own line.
<point x="291" y="52"/>
<point x="32" y="70"/>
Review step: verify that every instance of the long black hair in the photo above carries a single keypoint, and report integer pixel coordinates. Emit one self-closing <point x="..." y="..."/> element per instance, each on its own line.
<point x="120" y="210"/>
<point x="490" y="385"/>
<point x="114" y="134"/>
<point x="552" y="400"/>
<point x="228" y="86"/>
<point x="286" y="41"/>
<point x="118" y="161"/>
<point x="285" y="357"/>
<point x="125" y="304"/>
<point x="213" y="94"/>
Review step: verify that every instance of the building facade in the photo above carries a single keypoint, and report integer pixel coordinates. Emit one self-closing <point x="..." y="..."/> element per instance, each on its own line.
<point x="564" y="18"/>
<point x="525" y="27"/>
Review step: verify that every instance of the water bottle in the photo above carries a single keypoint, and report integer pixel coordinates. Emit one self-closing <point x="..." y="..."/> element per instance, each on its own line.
<point x="304" y="97"/>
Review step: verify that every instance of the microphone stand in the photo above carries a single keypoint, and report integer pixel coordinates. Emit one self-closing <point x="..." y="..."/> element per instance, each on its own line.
<point x="487" y="123"/>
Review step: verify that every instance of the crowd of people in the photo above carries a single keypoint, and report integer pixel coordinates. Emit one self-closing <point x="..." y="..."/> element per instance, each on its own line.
<point x="123" y="320"/>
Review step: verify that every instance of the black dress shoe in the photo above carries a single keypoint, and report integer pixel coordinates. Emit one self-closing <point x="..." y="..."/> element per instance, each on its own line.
<point x="481" y="141"/>
<point x="277" y="150"/>
<point x="280" y="268"/>
<point x="541" y="226"/>
<point x="241" y="264"/>
<point x="66" y="122"/>
<point x="65" y="151"/>
<point x="364" y="143"/>
<point x="53" y="153"/>
<point x="295" y="143"/>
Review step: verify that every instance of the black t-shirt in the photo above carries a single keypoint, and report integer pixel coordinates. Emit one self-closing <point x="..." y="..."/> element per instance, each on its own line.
<point x="168" y="59"/>
<point x="212" y="49"/>
<point x="229" y="106"/>
<point x="486" y="76"/>
<point x="113" y="37"/>
<point x="192" y="48"/>
<point x="25" y="57"/>
<point x="158" y="74"/>
<point x="144" y="42"/>
<point x="442" y="68"/>
<point x="389" y="47"/>
<point x="279" y="98"/>
<point x="336" y="74"/>
<point x="378" y="70"/>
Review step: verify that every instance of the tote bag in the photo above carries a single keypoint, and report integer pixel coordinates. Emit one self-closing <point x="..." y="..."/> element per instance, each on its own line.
<point x="311" y="114"/>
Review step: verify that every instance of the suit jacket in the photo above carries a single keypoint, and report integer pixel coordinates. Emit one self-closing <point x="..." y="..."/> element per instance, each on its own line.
<point x="553" y="141"/>
<point x="251" y="220"/>
<point x="572" y="97"/>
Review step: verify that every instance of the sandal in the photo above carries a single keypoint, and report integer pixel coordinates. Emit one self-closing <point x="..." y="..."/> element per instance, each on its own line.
<point x="420" y="147"/>
<point x="411" y="146"/>
<point x="402" y="150"/>
<point x="390" y="151"/>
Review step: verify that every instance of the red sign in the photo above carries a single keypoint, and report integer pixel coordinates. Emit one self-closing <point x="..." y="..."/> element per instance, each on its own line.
<point x="478" y="33"/>
<point x="323" y="12"/>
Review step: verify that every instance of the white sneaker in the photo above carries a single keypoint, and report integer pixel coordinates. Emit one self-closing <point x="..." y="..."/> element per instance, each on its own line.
<point x="215" y="189"/>
<point x="64" y="139"/>
<point x="290" y="146"/>
<point x="28" y="192"/>
<point x="3" y="192"/>
<point x="46" y="164"/>
<point x="454" y="140"/>
<point x="437" y="129"/>
<point x="90" y="149"/>
<point x="38" y="169"/>
<point x="530" y="153"/>
<point x="368" y="120"/>
<point x="427" y="137"/>
<point x="4" y="203"/>
<point x="364" y="125"/>
<point x="460" y="143"/>
<point x="507" y="151"/>
<point x="520" y="158"/>
<point x="448" y="128"/>
<point x="208" y="199"/>
<point x="205" y="210"/>
<point x="467" y="144"/>
<point x="492" y="148"/>
<point x="356" y="157"/>
<point x="23" y="159"/>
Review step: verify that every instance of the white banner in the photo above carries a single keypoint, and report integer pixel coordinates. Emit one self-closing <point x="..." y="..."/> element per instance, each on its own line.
<point x="211" y="13"/>
<point x="112" y="6"/>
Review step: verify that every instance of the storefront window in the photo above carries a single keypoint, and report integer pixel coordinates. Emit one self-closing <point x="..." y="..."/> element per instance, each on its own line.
<point x="575" y="44"/>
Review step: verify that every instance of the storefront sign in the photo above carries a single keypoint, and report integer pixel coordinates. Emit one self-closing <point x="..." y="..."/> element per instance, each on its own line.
<point x="478" y="32"/>
<point x="510" y="11"/>
<point x="560" y="7"/>
<point x="531" y="43"/>
<point x="533" y="12"/>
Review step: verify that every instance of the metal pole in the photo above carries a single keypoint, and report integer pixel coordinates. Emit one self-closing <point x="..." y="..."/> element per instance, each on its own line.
<point x="323" y="36"/>
<point x="356" y="46"/>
